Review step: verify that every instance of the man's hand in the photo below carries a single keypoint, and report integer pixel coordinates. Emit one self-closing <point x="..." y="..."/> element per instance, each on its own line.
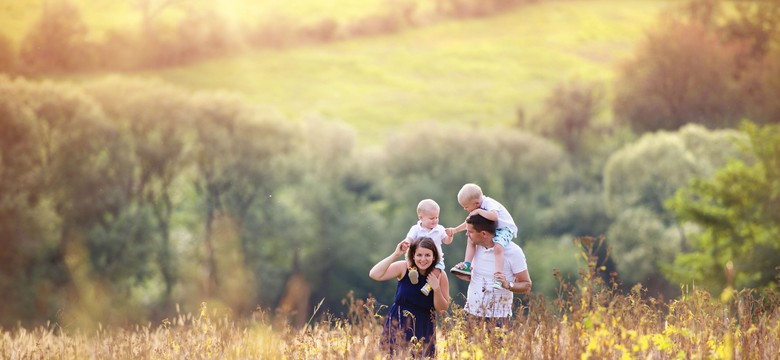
<point x="463" y="277"/>
<point x="501" y="277"/>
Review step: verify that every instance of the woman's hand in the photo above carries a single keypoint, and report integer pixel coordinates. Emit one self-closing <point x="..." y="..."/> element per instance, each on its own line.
<point x="401" y="248"/>
<point x="386" y="269"/>
<point x="433" y="281"/>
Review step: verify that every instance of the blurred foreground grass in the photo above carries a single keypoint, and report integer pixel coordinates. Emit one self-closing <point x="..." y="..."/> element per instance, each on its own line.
<point x="588" y="319"/>
<point x="599" y="325"/>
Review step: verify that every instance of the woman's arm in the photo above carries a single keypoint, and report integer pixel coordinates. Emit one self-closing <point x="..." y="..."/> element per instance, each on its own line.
<point x="387" y="269"/>
<point x="441" y="290"/>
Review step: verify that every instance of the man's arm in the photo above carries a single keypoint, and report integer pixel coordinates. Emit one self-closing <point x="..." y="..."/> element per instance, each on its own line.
<point x="521" y="283"/>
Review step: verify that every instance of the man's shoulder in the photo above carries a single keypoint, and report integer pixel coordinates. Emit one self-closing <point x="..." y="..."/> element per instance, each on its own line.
<point x="513" y="250"/>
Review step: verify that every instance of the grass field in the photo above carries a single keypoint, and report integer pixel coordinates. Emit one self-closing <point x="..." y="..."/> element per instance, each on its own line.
<point x="459" y="72"/>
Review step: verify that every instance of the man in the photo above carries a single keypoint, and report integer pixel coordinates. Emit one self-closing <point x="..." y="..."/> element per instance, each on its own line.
<point x="484" y="301"/>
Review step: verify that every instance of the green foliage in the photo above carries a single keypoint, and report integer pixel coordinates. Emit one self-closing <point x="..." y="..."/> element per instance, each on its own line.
<point x="569" y="112"/>
<point x="155" y="118"/>
<point x="737" y="212"/>
<point x="637" y="181"/>
<point x="550" y="260"/>
<point x="579" y="214"/>
<point x="240" y="159"/>
<point x="61" y="161"/>
<point x="650" y="170"/>
<point x="641" y="242"/>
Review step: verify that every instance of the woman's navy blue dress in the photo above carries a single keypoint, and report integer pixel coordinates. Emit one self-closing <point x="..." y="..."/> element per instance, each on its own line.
<point x="412" y="314"/>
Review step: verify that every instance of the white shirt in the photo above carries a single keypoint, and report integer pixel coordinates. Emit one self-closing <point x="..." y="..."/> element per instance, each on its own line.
<point x="482" y="298"/>
<point x="437" y="234"/>
<point x="504" y="217"/>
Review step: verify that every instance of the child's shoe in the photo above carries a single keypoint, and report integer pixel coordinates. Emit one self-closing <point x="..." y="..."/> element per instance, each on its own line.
<point x="466" y="270"/>
<point x="426" y="289"/>
<point x="414" y="276"/>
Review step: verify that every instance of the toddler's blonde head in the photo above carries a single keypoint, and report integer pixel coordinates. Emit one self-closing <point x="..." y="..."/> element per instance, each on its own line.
<point x="426" y="206"/>
<point x="469" y="193"/>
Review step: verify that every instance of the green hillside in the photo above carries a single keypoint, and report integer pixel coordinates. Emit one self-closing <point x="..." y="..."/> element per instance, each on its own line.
<point x="460" y="72"/>
<point x="464" y="72"/>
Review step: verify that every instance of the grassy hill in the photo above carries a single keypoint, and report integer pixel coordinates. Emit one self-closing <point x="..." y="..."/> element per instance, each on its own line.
<point x="461" y="72"/>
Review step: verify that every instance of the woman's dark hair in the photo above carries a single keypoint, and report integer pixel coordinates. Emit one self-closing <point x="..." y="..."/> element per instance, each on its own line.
<point x="425" y="243"/>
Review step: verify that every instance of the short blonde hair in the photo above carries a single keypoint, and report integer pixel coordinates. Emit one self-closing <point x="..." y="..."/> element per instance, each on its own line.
<point x="469" y="192"/>
<point x="426" y="205"/>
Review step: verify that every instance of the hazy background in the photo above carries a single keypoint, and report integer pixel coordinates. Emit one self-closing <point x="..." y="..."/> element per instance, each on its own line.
<point x="157" y="154"/>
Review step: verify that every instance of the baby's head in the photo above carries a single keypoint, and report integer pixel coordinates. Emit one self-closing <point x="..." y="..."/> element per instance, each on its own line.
<point x="470" y="197"/>
<point x="428" y="213"/>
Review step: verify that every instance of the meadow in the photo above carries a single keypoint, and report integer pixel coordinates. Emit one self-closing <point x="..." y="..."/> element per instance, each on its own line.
<point x="588" y="319"/>
<point x="466" y="73"/>
<point x="481" y="71"/>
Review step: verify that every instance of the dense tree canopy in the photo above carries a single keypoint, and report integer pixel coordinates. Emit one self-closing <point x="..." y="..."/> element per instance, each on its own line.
<point x="737" y="212"/>
<point x="637" y="181"/>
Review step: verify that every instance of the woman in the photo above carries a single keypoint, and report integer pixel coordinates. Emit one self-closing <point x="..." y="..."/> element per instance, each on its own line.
<point x="412" y="311"/>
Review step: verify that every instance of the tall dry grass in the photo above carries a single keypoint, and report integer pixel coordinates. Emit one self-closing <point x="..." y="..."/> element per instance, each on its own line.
<point x="588" y="319"/>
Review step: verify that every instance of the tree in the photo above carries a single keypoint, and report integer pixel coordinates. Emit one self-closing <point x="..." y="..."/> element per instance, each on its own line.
<point x="156" y="118"/>
<point x="25" y="239"/>
<point x="705" y="65"/>
<point x="569" y="111"/>
<point x="738" y="212"/>
<point x="679" y="75"/>
<point x="61" y="156"/>
<point x="7" y="55"/>
<point x="240" y="162"/>
<point x="637" y="181"/>
<point x="57" y="41"/>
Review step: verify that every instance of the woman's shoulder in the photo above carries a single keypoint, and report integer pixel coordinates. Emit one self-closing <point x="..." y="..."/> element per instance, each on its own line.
<point x="398" y="269"/>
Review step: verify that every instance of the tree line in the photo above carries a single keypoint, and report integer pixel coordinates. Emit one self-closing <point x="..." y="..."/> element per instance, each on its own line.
<point x="122" y="197"/>
<point x="60" y="41"/>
